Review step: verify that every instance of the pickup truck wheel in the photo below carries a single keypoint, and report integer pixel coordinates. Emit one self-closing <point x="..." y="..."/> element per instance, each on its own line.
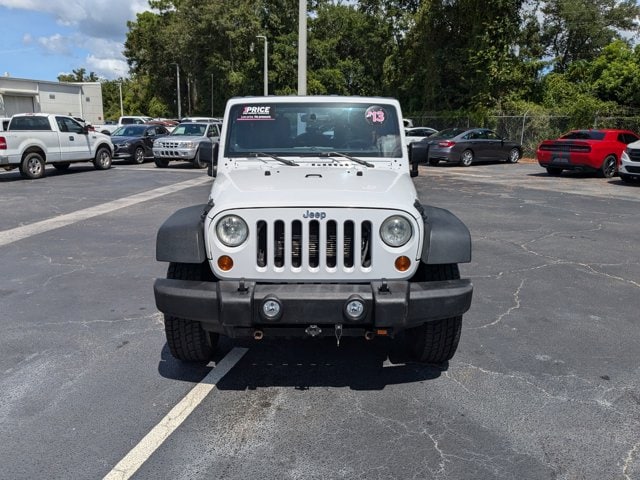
<point x="138" y="156"/>
<point x="32" y="166"/>
<point x="609" y="167"/>
<point x="62" y="166"/>
<point x="187" y="340"/>
<point x="103" y="159"/>
<point x="161" y="162"/>
<point x="434" y="342"/>
<point x="197" y="162"/>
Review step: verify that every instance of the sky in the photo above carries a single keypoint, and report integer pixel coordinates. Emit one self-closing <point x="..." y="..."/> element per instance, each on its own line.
<point x="41" y="39"/>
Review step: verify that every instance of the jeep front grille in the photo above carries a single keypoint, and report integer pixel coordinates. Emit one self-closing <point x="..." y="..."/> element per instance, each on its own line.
<point x="312" y="244"/>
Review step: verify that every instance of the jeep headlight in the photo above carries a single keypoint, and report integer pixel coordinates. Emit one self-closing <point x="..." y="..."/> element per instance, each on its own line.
<point x="188" y="145"/>
<point x="396" y="231"/>
<point x="232" y="230"/>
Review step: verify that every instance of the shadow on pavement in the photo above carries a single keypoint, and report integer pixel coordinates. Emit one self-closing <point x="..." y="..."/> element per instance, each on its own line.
<point x="306" y="363"/>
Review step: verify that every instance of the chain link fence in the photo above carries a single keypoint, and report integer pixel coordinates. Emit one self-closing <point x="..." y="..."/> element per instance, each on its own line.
<point x="529" y="130"/>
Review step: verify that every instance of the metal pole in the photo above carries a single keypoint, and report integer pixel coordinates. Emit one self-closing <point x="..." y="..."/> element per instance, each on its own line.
<point x="266" y="65"/>
<point x="121" y="106"/>
<point x="178" y="90"/>
<point x="302" y="47"/>
<point x="212" y="94"/>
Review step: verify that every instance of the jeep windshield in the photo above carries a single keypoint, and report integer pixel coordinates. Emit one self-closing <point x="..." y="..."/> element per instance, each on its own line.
<point x="308" y="129"/>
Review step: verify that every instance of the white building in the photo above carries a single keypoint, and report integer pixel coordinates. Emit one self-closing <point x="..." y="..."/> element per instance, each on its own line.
<point x="19" y="95"/>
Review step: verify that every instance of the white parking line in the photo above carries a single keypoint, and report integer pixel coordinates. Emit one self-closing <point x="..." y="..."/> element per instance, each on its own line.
<point x="178" y="414"/>
<point x="25" y="231"/>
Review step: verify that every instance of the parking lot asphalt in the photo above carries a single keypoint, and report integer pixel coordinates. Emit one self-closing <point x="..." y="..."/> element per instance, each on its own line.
<point x="545" y="383"/>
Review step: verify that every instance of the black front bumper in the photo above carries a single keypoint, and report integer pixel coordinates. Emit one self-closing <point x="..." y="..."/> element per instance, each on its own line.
<point x="233" y="307"/>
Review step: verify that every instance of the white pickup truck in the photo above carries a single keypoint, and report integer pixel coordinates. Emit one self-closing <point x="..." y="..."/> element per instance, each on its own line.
<point x="36" y="139"/>
<point x="108" y="129"/>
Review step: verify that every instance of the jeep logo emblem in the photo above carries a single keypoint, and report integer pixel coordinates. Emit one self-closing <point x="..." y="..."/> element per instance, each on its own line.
<point x="310" y="214"/>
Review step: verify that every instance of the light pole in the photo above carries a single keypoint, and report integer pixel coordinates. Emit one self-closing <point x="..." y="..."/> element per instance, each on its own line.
<point x="266" y="65"/>
<point x="212" y="94"/>
<point x="302" y="47"/>
<point x="121" y="107"/>
<point x="178" y="89"/>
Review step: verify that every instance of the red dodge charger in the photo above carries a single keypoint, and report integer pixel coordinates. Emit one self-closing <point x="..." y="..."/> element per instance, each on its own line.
<point x="585" y="150"/>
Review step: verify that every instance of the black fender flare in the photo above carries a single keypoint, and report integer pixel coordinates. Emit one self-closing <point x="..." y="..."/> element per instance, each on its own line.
<point x="446" y="238"/>
<point x="181" y="237"/>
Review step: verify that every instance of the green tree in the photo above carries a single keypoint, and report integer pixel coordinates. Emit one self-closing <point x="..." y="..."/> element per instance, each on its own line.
<point x="573" y="30"/>
<point x="78" y="75"/>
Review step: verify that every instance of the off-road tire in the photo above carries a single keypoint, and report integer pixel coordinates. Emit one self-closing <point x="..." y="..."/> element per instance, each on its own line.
<point x="434" y="342"/>
<point x="197" y="163"/>
<point x="32" y="165"/>
<point x="187" y="340"/>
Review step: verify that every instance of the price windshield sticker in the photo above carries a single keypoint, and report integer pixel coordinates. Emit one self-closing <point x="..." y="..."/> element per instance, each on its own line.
<point x="257" y="112"/>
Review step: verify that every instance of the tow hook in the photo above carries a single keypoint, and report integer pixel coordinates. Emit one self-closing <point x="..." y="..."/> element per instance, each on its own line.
<point x="313" y="330"/>
<point x="338" y="333"/>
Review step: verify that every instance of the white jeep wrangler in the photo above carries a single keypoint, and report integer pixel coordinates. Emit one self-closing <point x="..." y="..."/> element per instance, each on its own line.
<point x="313" y="227"/>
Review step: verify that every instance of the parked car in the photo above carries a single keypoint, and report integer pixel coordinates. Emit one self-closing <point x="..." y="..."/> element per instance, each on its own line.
<point x="466" y="146"/>
<point x="135" y="142"/>
<point x="416" y="134"/>
<point x="629" y="170"/>
<point x="189" y="141"/>
<point x="595" y="150"/>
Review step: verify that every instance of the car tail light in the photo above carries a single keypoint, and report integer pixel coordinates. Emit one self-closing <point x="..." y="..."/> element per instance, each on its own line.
<point x="3" y="143"/>
<point x="446" y="144"/>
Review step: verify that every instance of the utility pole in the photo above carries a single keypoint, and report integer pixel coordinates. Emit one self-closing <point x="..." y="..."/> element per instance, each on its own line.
<point x="178" y="90"/>
<point x="265" y="66"/>
<point x="121" y="106"/>
<point x="302" y="47"/>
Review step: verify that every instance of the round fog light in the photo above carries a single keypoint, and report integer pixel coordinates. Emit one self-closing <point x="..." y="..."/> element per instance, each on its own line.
<point x="271" y="309"/>
<point x="355" y="309"/>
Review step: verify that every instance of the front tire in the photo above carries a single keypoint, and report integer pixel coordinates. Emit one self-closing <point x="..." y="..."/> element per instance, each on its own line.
<point x="197" y="163"/>
<point x="466" y="159"/>
<point x="161" y="162"/>
<point x="103" y="159"/>
<point x="609" y="167"/>
<point x="32" y="166"/>
<point x="138" y="156"/>
<point x="434" y="342"/>
<point x="187" y="340"/>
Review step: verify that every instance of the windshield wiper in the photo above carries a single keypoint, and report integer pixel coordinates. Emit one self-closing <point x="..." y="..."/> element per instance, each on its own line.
<point x="275" y="157"/>
<point x="349" y="157"/>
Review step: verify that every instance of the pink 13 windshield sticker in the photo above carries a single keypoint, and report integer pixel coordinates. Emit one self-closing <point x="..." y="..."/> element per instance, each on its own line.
<point x="375" y="115"/>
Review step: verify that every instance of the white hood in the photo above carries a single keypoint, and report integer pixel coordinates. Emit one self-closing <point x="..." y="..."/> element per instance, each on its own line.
<point x="306" y="186"/>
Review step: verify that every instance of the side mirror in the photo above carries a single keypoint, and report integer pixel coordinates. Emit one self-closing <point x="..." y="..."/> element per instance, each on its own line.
<point x="418" y="153"/>
<point x="212" y="168"/>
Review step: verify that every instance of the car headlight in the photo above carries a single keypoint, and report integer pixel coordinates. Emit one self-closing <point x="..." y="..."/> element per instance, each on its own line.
<point x="396" y="231"/>
<point x="187" y="145"/>
<point x="232" y="230"/>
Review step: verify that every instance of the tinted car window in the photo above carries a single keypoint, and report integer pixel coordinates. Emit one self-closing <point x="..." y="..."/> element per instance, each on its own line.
<point x="492" y="135"/>
<point x="30" y="123"/>
<point x="629" y="138"/>
<point x="449" y="133"/>
<point x="584" y="135"/>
